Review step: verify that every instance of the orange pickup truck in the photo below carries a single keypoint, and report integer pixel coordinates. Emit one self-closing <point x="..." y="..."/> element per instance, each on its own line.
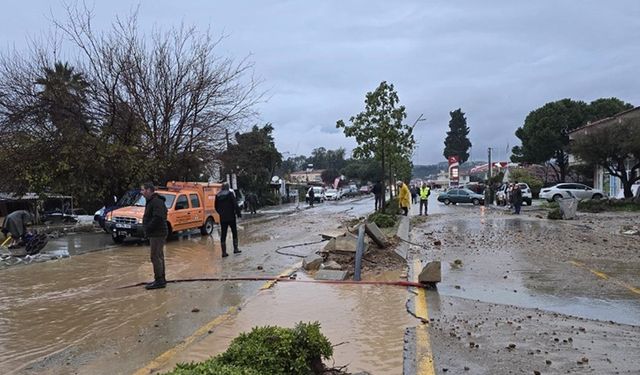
<point x="190" y="205"/>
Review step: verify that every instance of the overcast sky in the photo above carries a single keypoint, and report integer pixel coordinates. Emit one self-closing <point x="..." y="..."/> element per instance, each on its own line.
<point x="497" y="60"/>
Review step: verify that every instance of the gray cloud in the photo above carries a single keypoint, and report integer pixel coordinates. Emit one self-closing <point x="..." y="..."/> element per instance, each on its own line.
<point x="496" y="60"/>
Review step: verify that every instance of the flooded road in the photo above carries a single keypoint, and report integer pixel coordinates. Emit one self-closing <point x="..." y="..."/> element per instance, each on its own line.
<point x="528" y="262"/>
<point x="68" y="315"/>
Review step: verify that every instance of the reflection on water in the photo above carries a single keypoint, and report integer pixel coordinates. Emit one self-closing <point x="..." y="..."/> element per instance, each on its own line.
<point x="369" y="320"/>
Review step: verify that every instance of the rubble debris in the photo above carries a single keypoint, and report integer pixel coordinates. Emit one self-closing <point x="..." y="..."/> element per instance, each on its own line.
<point x="331" y="275"/>
<point x="312" y="262"/>
<point x="346" y="245"/>
<point x="331" y="265"/>
<point x="431" y="273"/>
<point x="376" y="235"/>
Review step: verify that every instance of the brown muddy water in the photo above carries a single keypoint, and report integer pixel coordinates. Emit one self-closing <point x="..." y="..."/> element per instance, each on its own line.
<point x="50" y="307"/>
<point x="368" y="321"/>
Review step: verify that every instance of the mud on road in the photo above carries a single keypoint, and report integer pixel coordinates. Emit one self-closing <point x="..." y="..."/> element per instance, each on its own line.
<point x="522" y="294"/>
<point x="68" y="316"/>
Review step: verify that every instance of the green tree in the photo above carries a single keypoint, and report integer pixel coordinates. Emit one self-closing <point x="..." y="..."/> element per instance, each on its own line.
<point x="544" y="135"/>
<point x="457" y="142"/>
<point x="379" y="130"/>
<point x="523" y="175"/>
<point x="254" y="158"/>
<point x="616" y="148"/>
<point x="364" y="170"/>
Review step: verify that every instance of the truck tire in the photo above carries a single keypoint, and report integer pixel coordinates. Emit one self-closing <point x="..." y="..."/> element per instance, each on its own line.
<point x="117" y="239"/>
<point x="207" y="228"/>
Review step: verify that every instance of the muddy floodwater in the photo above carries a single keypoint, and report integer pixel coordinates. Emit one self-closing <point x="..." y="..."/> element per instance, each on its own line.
<point x="367" y="321"/>
<point x="69" y="315"/>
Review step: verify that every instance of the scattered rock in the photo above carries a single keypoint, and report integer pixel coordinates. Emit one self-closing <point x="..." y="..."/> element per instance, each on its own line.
<point x="437" y="243"/>
<point x="260" y="268"/>
<point x="195" y="310"/>
<point x="548" y="362"/>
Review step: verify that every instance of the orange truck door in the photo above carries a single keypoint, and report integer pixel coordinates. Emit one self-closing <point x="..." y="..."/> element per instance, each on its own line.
<point x="197" y="214"/>
<point x="182" y="213"/>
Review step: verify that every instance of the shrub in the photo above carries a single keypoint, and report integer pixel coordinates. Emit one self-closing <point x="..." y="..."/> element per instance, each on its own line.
<point x="392" y="207"/>
<point x="268" y="350"/>
<point x="555" y="214"/>
<point x="600" y="205"/>
<point x="383" y="220"/>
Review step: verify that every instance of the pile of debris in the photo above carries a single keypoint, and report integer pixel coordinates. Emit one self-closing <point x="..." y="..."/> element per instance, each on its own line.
<point x="336" y="261"/>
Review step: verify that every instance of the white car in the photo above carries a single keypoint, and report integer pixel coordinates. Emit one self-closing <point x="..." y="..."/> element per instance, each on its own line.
<point x="333" y="194"/>
<point x="568" y="190"/>
<point x="318" y="195"/>
<point x="501" y="194"/>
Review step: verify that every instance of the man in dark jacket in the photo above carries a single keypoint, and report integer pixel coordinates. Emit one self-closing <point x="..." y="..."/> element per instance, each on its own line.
<point x="227" y="208"/>
<point x="378" y="192"/>
<point x="516" y="197"/>
<point x="155" y="229"/>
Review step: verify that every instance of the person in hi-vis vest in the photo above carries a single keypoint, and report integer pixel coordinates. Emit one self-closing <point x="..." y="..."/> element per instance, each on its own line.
<point x="424" y="198"/>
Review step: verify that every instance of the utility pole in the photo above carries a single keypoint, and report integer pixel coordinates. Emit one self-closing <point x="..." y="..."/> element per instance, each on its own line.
<point x="488" y="198"/>
<point x="490" y="166"/>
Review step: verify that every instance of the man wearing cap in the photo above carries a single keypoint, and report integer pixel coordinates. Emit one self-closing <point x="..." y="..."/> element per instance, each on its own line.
<point x="404" y="197"/>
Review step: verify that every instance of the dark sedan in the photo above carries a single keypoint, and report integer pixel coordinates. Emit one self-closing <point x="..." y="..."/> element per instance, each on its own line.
<point x="460" y="196"/>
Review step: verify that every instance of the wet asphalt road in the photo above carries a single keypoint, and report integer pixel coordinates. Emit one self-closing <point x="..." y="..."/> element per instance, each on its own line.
<point x="515" y="286"/>
<point x="68" y="315"/>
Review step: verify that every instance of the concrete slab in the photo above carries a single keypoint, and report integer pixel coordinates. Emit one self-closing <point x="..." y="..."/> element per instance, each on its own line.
<point x="331" y="275"/>
<point x="344" y="245"/>
<point x="376" y="235"/>
<point x="331" y="265"/>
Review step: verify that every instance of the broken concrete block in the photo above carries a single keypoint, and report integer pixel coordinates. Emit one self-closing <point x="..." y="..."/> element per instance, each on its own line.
<point x="376" y="235"/>
<point x="331" y="275"/>
<point x="331" y="265"/>
<point x="346" y="244"/>
<point x="312" y="262"/>
<point x="328" y="235"/>
<point x="431" y="273"/>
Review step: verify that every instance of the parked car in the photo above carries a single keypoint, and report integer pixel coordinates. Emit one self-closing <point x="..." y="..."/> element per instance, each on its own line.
<point x="501" y="194"/>
<point x="568" y="190"/>
<point x="333" y="194"/>
<point x="128" y="199"/>
<point x="318" y="195"/>
<point x="460" y="196"/>
<point x="365" y="189"/>
<point x="350" y="192"/>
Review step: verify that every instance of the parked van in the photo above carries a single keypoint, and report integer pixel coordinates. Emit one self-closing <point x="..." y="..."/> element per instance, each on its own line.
<point x="190" y="205"/>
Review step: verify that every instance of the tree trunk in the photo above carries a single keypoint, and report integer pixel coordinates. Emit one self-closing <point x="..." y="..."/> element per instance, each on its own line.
<point x="383" y="179"/>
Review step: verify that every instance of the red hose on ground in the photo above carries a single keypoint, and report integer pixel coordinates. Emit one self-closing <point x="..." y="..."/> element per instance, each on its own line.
<point x="401" y="283"/>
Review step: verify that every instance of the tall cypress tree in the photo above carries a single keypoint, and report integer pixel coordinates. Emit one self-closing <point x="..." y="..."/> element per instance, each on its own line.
<point x="457" y="143"/>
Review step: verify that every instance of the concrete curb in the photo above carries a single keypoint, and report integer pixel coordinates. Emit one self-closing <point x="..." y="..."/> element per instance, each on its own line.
<point x="403" y="233"/>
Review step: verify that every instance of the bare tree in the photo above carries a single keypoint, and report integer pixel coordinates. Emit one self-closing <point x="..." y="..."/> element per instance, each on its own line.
<point x="186" y="95"/>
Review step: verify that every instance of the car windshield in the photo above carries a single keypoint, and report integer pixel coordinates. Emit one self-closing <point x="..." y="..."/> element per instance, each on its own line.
<point x="130" y="198"/>
<point x="331" y="191"/>
<point x="168" y="200"/>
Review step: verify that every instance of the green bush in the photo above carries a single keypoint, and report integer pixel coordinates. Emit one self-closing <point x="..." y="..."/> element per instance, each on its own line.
<point x="392" y="207"/>
<point x="268" y="350"/>
<point x="601" y="205"/>
<point x="555" y="214"/>
<point x="383" y="220"/>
